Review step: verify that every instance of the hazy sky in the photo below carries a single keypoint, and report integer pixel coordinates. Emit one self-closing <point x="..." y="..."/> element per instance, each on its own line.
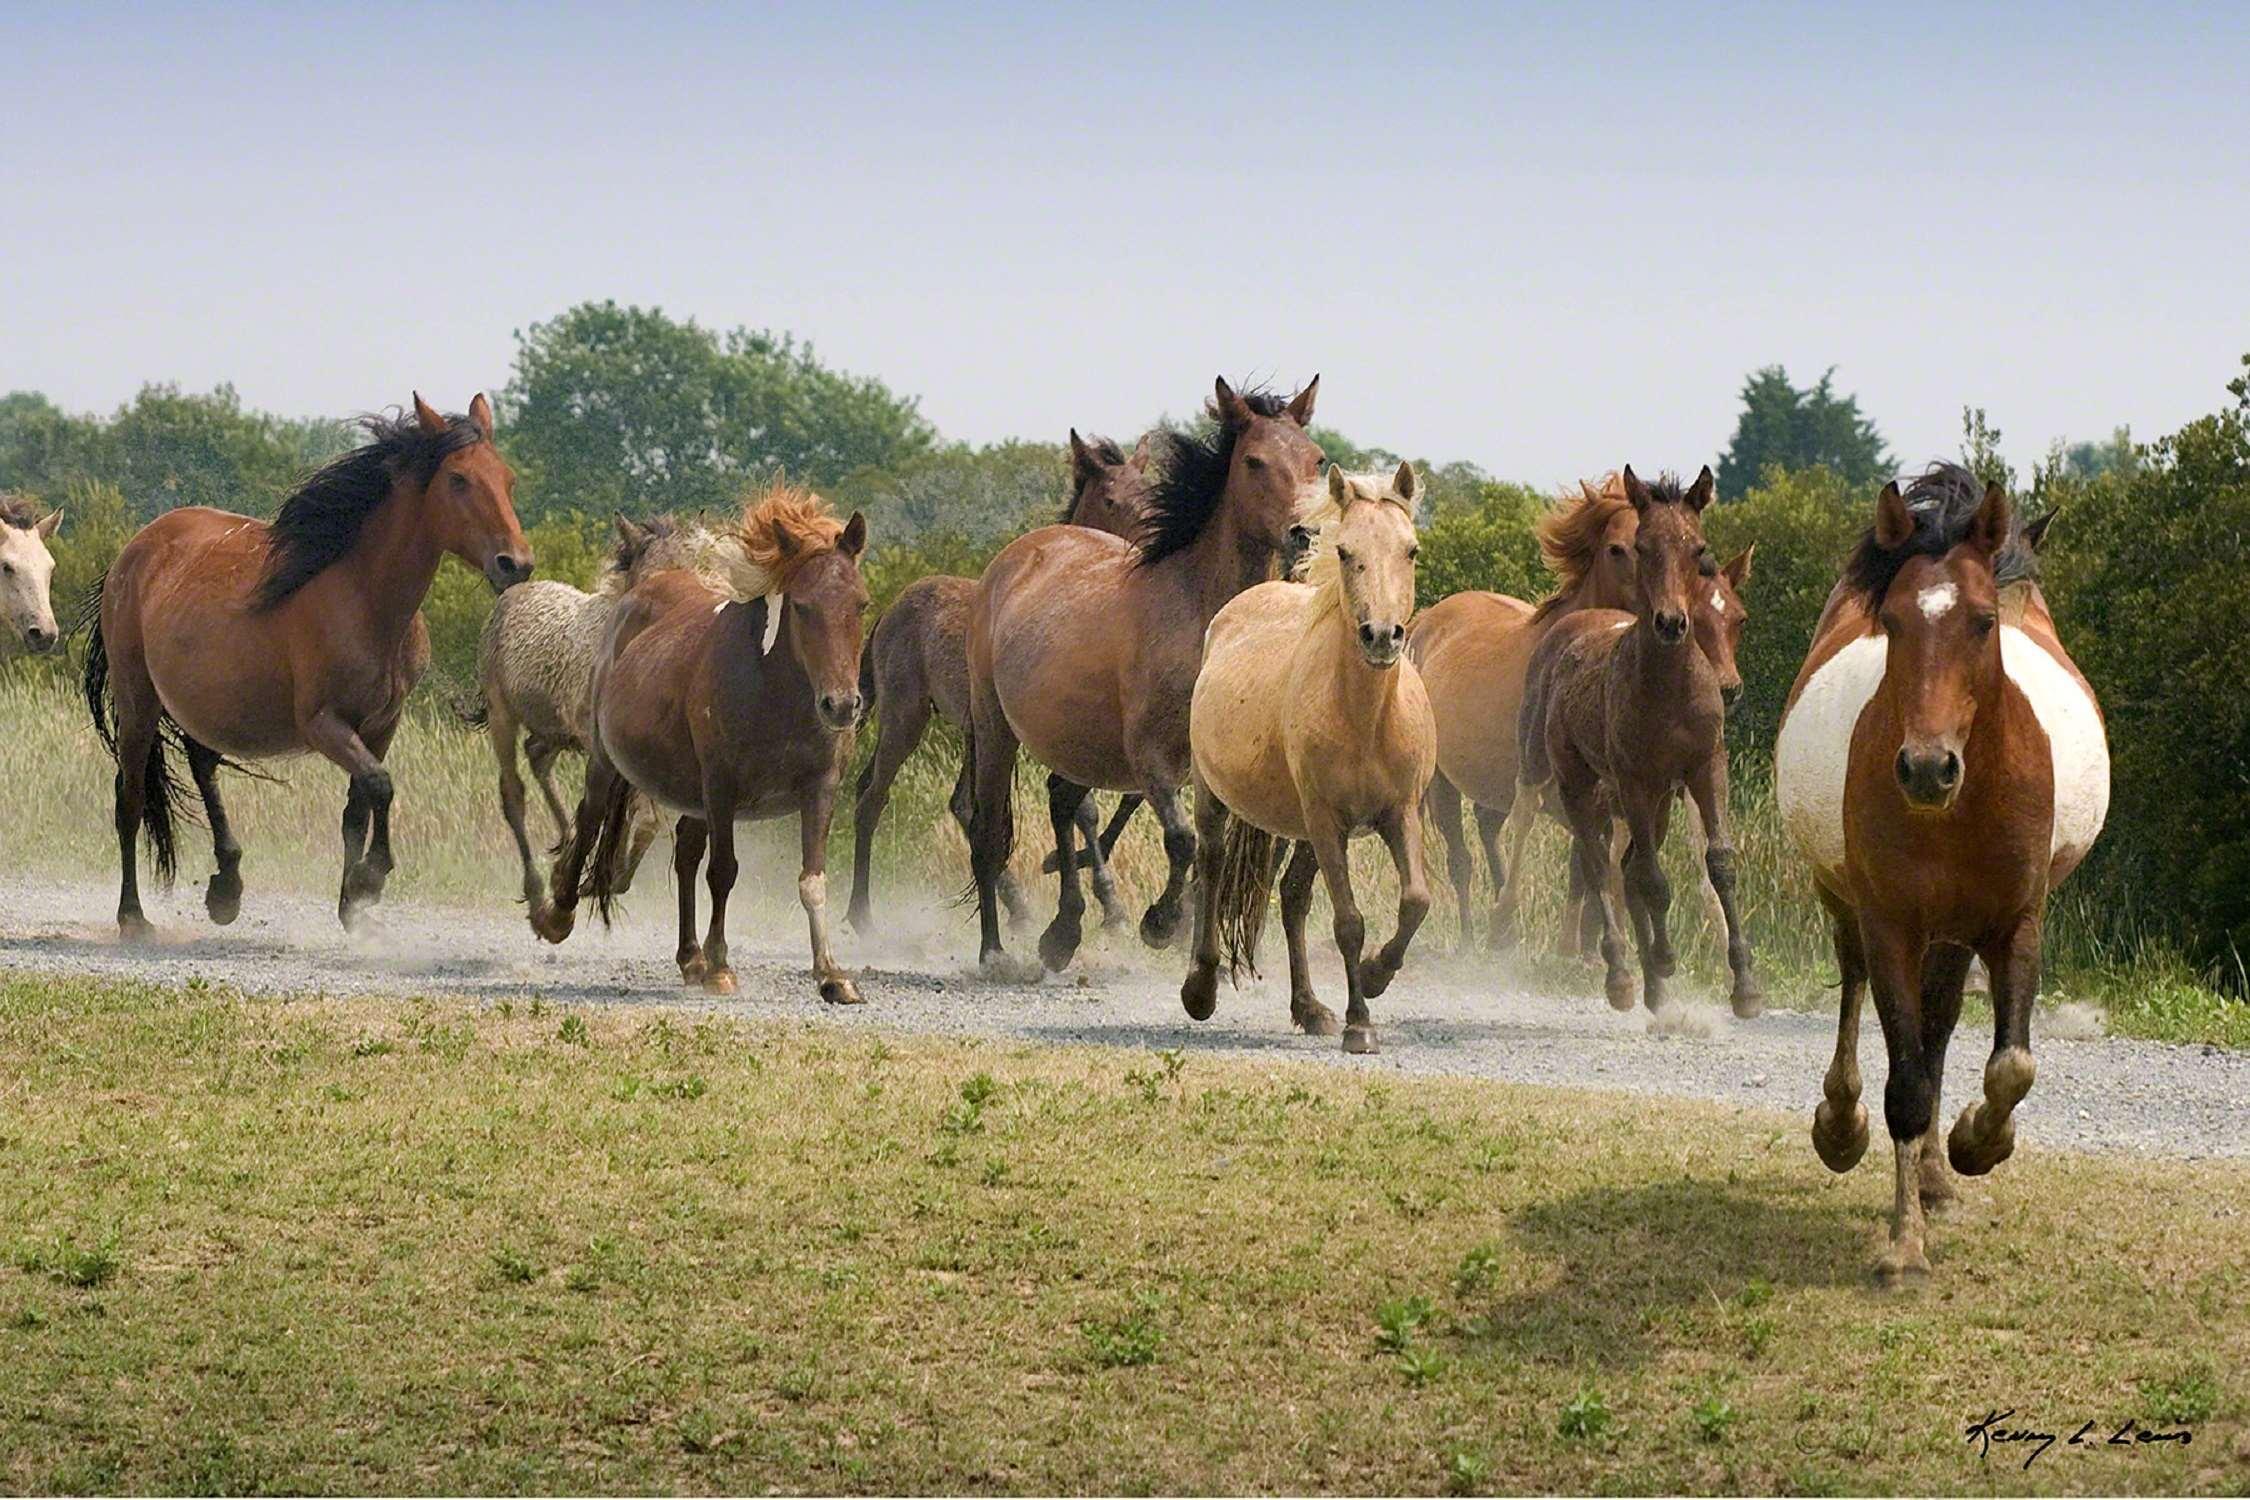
<point x="1551" y="239"/>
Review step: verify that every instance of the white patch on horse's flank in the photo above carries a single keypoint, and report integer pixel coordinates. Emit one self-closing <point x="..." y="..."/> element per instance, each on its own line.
<point x="2075" y="739"/>
<point x="1937" y="599"/>
<point x="1812" y="757"/>
<point x="773" y="623"/>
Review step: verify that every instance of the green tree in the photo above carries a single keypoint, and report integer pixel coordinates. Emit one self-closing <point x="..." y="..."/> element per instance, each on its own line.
<point x="625" y="408"/>
<point x="1785" y="427"/>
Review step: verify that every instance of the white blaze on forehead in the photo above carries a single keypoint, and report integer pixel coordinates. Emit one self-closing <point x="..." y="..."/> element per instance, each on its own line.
<point x="1937" y="599"/>
<point x="1718" y="601"/>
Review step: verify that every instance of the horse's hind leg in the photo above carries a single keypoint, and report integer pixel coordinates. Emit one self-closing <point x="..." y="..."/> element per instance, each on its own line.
<point x="688" y="839"/>
<point x="963" y="805"/>
<point x="1839" y="1129"/>
<point x="500" y="724"/>
<point x="1160" y="924"/>
<point x="719" y="871"/>
<point x="992" y="832"/>
<point x="899" y="729"/>
<point x="1199" y="992"/>
<point x="1097" y="862"/>
<point x="138" y="727"/>
<point x="1985" y="1134"/>
<point x="1517" y="820"/>
<point x="223" y="897"/>
<point x="541" y="753"/>
<point x="1944" y="968"/>
<point x="1060" y="940"/>
<point x="641" y="818"/>
<point x="1401" y="832"/>
<point x="1305" y="1010"/>
<point x="1460" y="867"/>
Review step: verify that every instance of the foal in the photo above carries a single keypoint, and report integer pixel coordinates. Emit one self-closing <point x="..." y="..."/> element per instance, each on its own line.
<point x="1622" y="711"/>
<point x="1942" y="766"/>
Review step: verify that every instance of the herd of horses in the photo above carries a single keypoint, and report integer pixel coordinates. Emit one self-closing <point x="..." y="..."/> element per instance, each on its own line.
<point x="1220" y="625"/>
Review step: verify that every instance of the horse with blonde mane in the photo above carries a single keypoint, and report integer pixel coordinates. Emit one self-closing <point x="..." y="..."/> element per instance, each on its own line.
<point x="723" y="703"/>
<point x="535" y="673"/>
<point x="27" y="569"/>
<point x="1309" y="725"/>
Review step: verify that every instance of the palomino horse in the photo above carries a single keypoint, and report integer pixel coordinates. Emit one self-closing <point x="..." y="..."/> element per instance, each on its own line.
<point x="1942" y="766"/>
<point x="919" y="660"/>
<point x="720" y="710"/>
<point x="535" y="673"/>
<point x="1309" y="724"/>
<point x="1622" y="710"/>
<point x="26" y="570"/>
<point x="1083" y="647"/>
<point x="245" y="639"/>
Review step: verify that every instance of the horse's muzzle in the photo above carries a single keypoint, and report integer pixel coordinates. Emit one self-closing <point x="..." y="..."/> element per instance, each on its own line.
<point x="506" y="570"/>
<point x="1382" y="645"/>
<point x="41" y="639"/>
<point x="1670" y="626"/>
<point x="1930" y="778"/>
<point x="839" y="711"/>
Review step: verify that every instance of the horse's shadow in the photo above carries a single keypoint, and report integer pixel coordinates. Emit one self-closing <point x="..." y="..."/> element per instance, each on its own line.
<point x="1635" y="1261"/>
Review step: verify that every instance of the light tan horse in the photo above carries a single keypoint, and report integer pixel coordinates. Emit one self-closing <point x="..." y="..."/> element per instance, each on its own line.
<point x="1309" y="724"/>
<point x="27" y="568"/>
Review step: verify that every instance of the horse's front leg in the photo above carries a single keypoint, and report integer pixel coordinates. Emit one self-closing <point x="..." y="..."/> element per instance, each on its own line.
<point x="1648" y="893"/>
<point x="819" y="806"/>
<point x="1199" y="992"/>
<point x="719" y="871"/>
<point x="1895" y="957"/>
<point x="1985" y="1135"/>
<point x="689" y="838"/>
<point x="223" y="898"/>
<point x="1160" y="924"/>
<point x="1707" y="790"/>
<point x="1306" y="1012"/>
<point x="1839" y="1130"/>
<point x="1097" y="864"/>
<point x="1401" y="833"/>
<point x="369" y="790"/>
<point x="1060" y="941"/>
<point x="1334" y="855"/>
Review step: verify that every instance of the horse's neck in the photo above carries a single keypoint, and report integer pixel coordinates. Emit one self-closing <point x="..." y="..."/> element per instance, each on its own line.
<point x="1218" y="565"/>
<point x="1658" y="673"/>
<point x="1080" y="503"/>
<point x="1363" y="694"/>
<point x="393" y="562"/>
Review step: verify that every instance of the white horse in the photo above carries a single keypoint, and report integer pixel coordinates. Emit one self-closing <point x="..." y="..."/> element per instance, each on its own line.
<point x="27" y="569"/>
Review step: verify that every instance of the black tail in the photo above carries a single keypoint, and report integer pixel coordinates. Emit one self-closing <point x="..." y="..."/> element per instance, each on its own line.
<point x="1247" y="858"/>
<point x="159" y="792"/>
<point x="608" y="831"/>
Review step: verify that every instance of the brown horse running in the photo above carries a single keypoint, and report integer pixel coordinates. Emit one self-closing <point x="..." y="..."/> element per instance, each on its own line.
<point x="722" y="710"/>
<point x="1623" y="710"/>
<point x="244" y="640"/>
<point x="1083" y="647"/>
<point x="918" y="660"/>
<point x="1942" y="766"/>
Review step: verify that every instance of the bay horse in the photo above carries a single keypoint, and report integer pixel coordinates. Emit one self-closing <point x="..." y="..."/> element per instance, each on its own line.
<point x="27" y="570"/>
<point x="535" y="673"/>
<point x="241" y="639"/>
<point x="1083" y="647"/>
<point x="1310" y="725"/>
<point x="721" y="710"/>
<point x="1622" y="710"/>
<point x="918" y="661"/>
<point x="1942" y="766"/>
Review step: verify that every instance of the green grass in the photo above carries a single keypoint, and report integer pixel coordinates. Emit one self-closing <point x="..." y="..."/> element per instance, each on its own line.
<point x="452" y="847"/>
<point x="409" y="1246"/>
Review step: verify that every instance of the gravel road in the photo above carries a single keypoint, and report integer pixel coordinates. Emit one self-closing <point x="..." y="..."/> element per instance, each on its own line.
<point x="1443" y="1015"/>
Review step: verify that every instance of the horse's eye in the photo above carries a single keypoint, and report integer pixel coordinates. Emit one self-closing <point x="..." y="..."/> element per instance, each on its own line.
<point x="460" y="482"/>
<point x="1252" y="461"/>
<point x="1412" y="553"/>
<point x="1616" y="549"/>
<point x="1984" y="624"/>
<point x="1342" y="555"/>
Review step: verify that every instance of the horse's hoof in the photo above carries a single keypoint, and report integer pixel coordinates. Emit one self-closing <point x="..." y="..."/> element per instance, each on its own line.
<point x="1159" y="925"/>
<point x="720" y="982"/>
<point x="861" y="921"/>
<point x="1622" y="991"/>
<point x="1502" y="934"/>
<point x="132" y="927"/>
<point x="839" y="990"/>
<point x="1901" y="1267"/>
<point x="1839" y="1145"/>
<point x="1360" y="1040"/>
<point x="1375" y="976"/>
<point x="1748" y="999"/>
<point x="1313" y="1018"/>
<point x="1199" y="993"/>
<point x="552" y="923"/>
<point x="1059" y="943"/>
<point x="1975" y="1151"/>
<point x="1001" y="967"/>
<point x="223" y="898"/>
<point x="1115" y="916"/>
<point x="693" y="970"/>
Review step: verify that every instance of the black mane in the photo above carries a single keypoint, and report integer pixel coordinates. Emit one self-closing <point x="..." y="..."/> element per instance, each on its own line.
<point x="318" y="524"/>
<point x="1105" y="453"/>
<point x="1186" y="495"/>
<point x="1665" y="489"/>
<point x="1943" y="500"/>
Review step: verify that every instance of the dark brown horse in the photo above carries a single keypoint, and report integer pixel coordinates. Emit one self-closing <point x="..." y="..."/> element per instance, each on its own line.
<point x="242" y="640"/>
<point x="1942" y="766"/>
<point x="918" y="661"/>
<point x="722" y="710"/>
<point x="1083" y="647"/>
<point x="1623" y="710"/>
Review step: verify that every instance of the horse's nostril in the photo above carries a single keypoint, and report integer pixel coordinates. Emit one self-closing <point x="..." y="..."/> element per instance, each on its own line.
<point x="1905" y="768"/>
<point x="1949" y="774"/>
<point x="1367" y="634"/>
<point x="1398" y="633"/>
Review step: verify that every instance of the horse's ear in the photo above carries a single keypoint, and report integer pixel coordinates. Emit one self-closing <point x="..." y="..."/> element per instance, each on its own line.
<point x="51" y="523"/>
<point x="1138" y="458"/>
<point x="429" y="416"/>
<point x="480" y="412"/>
<point x="1738" y="571"/>
<point x="1989" y="531"/>
<point x="854" y="540"/>
<point x="1894" y="523"/>
<point x="1636" y="491"/>
<point x="784" y="545"/>
<point x="630" y="531"/>
<point x="1404" y="482"/>
<point x="1300" y="409"/>
<point x="2035" y="532"/>
<point x="1083" y="465"/>
<point x="1232" y="410"/>
<point x="1702" y="492"/>
<point x="1339" y="488"/>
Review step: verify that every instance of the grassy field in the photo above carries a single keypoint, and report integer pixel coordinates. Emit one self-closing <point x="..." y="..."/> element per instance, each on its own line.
<point x="404" y="1246"/>
<point x="54" y="817"/>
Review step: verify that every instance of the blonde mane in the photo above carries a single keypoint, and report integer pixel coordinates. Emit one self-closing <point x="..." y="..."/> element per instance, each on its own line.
<point x="711" y="552"/>
<point x="1322" y="572"/>
<point x="782" y="529"/>
<point x="1570" y="532"/>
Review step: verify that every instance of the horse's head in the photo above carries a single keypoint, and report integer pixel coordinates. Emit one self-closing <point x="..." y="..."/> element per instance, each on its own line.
<point x="1108" y="486"/>
<point x="27" y="568"/>
<point x="826" y="600"/>
<point x="1720" y="617"/>
<point x="1372" y="548"/>
<point x="469" y="503"/>
<point x="1669" y="553"/>
<point x="1273" y="469"/>
<point x="1939" y="610"/>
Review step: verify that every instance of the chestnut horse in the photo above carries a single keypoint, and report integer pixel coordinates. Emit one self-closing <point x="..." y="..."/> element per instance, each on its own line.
<point x="919" y="660"/>
<point x="720" y="710"/>
<point x="1308" y="724"/>
<point x="1083" y="647"/>
<point x="244" y="640"/>
<point x="27" y="568"/>
<point x="1942" y="766"/>
<point x="1623" y="710"/>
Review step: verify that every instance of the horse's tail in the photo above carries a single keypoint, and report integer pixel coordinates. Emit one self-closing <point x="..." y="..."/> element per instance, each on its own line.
<point x="159" y="792"/>
<point x="1243" y="892"/>
<point x="608" y="830"/>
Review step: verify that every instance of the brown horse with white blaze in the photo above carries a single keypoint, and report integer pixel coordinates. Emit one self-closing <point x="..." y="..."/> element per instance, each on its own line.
<point x="721" y="710"/>
<point x="1942" y="766"/>
<point x="245" y="639"/>
<point x="1083" y="647"/>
